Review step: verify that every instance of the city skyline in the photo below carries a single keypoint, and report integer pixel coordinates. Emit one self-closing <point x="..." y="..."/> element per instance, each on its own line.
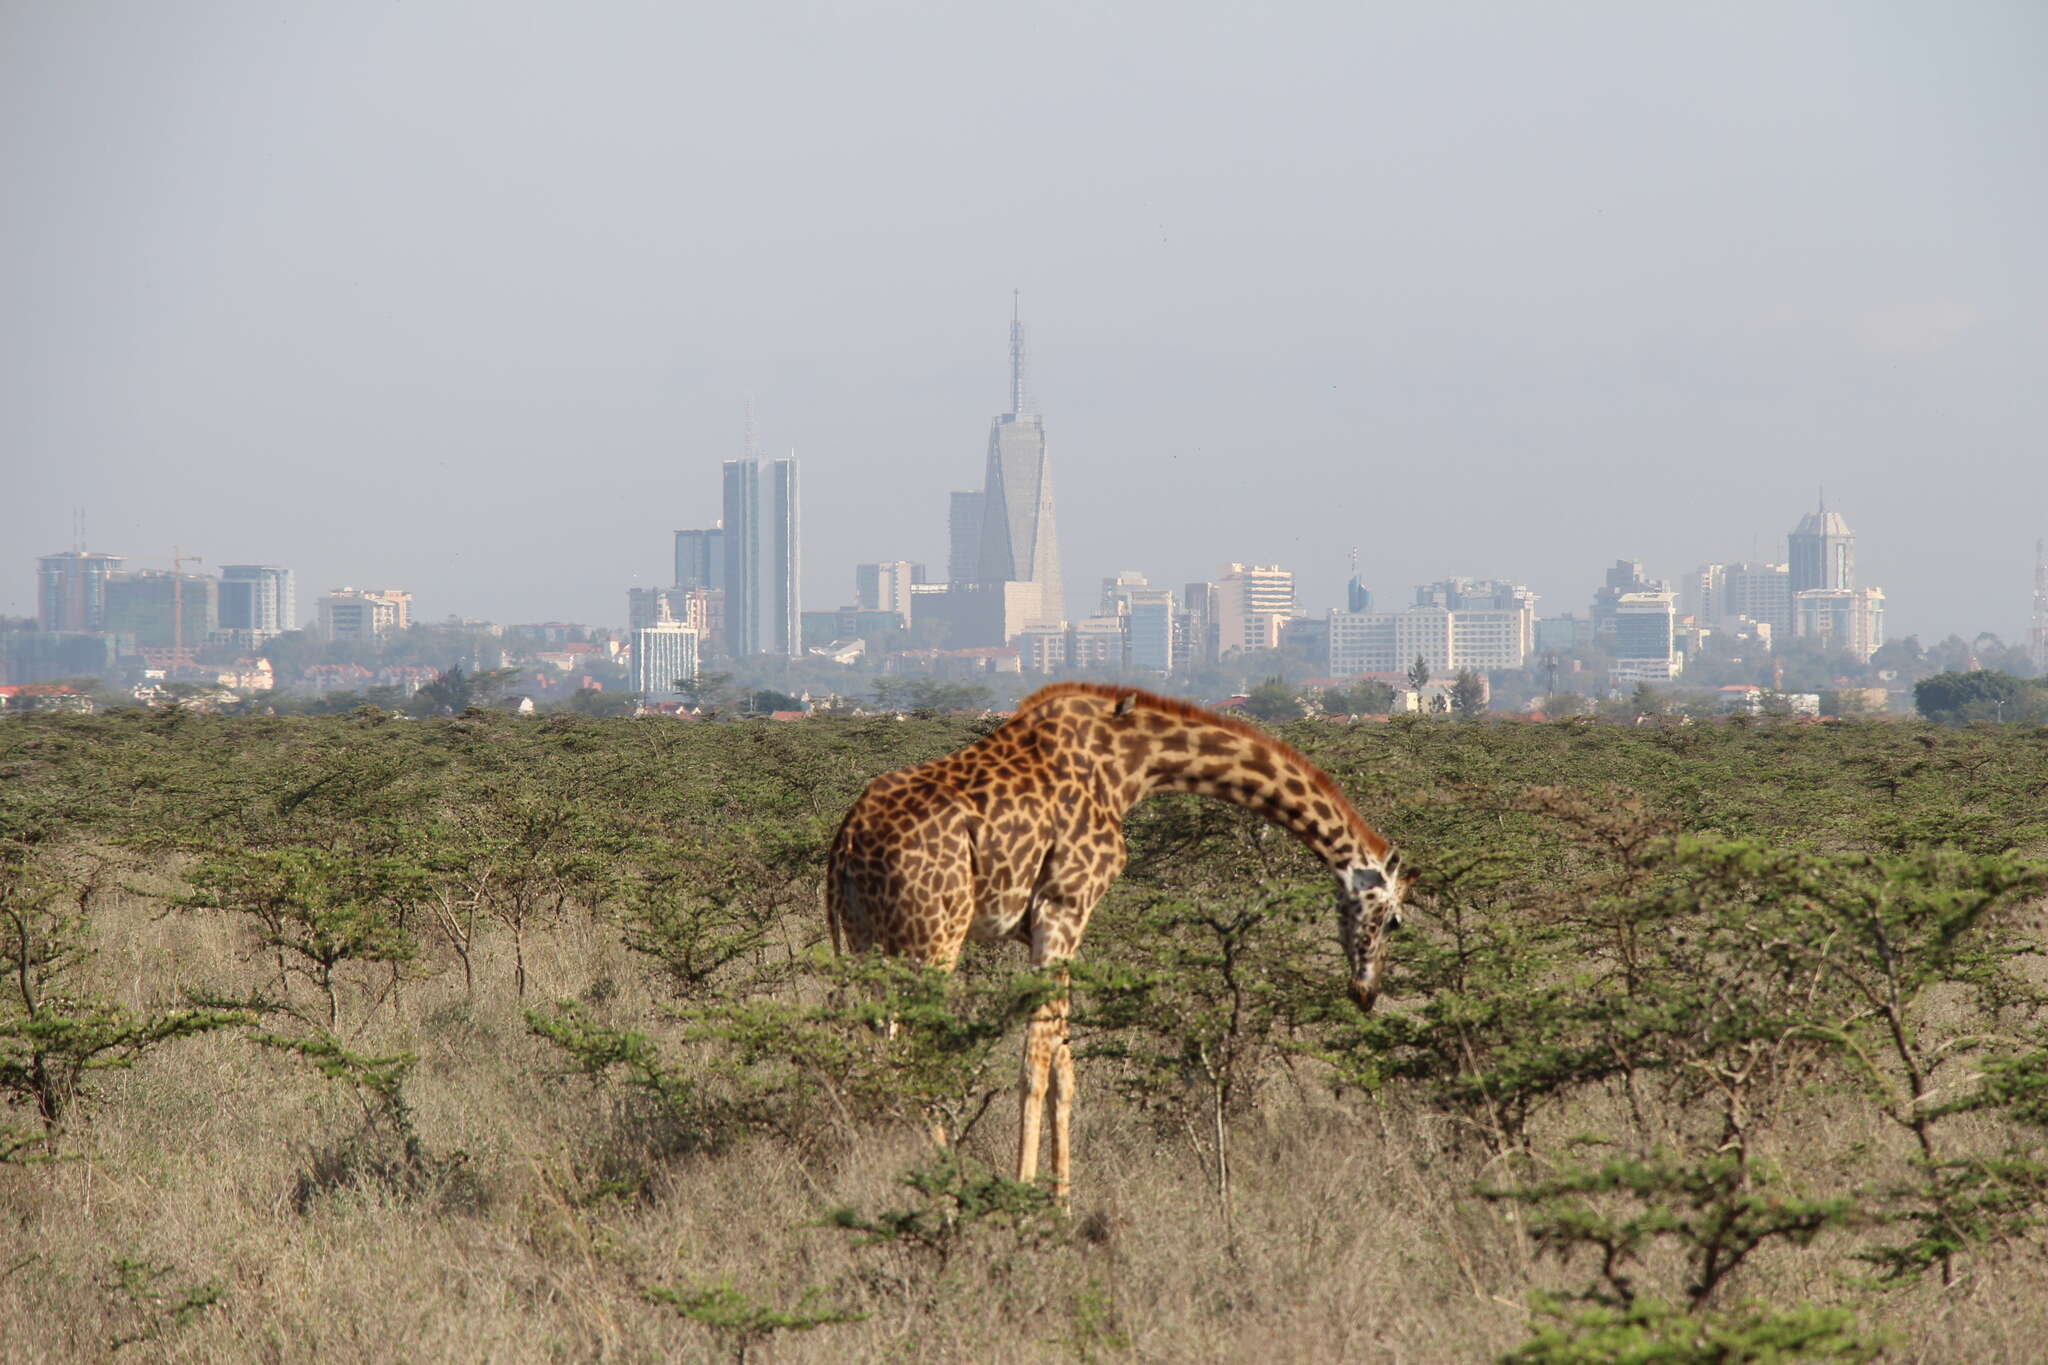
<point x="1822" y="562"/>
<point x="1345" y="278"/>
<point x="1818" y="532"/>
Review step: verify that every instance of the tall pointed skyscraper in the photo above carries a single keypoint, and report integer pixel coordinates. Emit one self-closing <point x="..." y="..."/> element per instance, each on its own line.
<point x="1018" y="540"/>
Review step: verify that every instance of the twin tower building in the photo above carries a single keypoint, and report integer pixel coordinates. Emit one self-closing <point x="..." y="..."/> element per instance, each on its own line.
<point x="739" y="582"/>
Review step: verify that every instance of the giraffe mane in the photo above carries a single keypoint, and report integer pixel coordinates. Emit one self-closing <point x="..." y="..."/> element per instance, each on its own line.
<point x="1187" y="710"/>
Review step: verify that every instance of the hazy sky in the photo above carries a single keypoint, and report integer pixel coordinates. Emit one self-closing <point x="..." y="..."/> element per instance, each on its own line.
<point x="468" y="298"/>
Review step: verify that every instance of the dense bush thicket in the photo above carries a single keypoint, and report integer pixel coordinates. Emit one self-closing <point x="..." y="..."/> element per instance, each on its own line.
<point x="1690" y="1005"/>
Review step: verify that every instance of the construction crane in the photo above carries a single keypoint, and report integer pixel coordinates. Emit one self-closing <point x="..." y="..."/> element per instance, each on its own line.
<point x="178" y="560"/>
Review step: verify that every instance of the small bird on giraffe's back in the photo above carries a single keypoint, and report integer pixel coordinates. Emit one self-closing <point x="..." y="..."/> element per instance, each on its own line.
<point x="1018" y="835"/>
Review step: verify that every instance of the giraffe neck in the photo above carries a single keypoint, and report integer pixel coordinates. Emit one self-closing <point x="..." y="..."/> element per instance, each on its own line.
<point x="1249" y="769"/>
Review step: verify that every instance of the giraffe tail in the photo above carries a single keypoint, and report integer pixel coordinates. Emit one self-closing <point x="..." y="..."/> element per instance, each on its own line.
<point x="837" y="890"/>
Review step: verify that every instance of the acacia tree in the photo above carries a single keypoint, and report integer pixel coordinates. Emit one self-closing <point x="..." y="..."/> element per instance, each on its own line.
<point x="1982" y="694"/>
<point x="1273" y="701"/>
<point x="55" y="1029"/>
<point x="1418" y="675"/>
<point x="1468" y="695"/>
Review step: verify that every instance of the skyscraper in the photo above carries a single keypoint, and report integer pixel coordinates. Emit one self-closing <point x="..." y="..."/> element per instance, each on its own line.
<point x="763" y="568"/>
<point x="1822" y="552"/>
<point x="1018" y="540"/>
<point x="785" y="607"/>
<point x="742" y="550"/>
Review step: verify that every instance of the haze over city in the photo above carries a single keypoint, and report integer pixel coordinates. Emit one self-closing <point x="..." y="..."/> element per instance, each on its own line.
<point x="474" y="301"/>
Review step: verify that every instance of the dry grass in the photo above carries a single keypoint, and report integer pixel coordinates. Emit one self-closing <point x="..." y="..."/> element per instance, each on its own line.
<point x="215" y="1162"/>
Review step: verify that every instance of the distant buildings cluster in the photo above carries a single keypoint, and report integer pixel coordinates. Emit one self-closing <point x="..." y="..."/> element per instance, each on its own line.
<point x="96" y="616"/>
<point x="999" y="606"/>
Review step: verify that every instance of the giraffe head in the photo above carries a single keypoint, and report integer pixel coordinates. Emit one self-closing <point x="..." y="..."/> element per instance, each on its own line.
<point x="1368" y="912"/>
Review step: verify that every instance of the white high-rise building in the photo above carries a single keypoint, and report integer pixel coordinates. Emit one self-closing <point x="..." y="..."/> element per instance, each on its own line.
<point x="1456" y="623"/>
<point x="1252" y="600"/>
<point x="664" y="654"/>
<point x="1644" y="638"/>
<point x="352" y="614"/>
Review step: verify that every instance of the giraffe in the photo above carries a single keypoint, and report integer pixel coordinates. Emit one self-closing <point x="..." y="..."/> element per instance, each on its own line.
<point x="1018" y="836"/>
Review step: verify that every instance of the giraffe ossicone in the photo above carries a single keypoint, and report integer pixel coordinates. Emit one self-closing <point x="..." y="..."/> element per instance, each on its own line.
<point x="1018" y="835"/>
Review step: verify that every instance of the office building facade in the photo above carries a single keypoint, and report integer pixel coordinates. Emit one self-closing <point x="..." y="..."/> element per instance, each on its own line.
<point x="700" y="558"/>
<point x="257" y="601"/>
<point x="1757" y="593"/>
<point x="1251" y="602"/>
<point x="885" y="586"/>
<point x="664" y="655"/>
<point x="71" y="590"/>
<point x="1645" y="639"/>
<point x="157" y="609"/>
<point x="353" y="614"/>
<point x="963" y="537"/>
<point x="1849" y="619"/>
<point x="761" y="542"/>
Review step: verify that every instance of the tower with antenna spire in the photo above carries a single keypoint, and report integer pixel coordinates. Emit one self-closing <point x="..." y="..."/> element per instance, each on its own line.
<point x="1020" y="397"/>
<point x="1019" y="543"/>
<point x="1357" y="597"/>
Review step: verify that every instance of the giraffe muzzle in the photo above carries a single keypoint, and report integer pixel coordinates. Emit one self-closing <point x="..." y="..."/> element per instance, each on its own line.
<point x="1365" y="988"/>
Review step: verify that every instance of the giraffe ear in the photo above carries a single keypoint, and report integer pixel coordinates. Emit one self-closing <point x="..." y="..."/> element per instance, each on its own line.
<point x="1124" y="705"/>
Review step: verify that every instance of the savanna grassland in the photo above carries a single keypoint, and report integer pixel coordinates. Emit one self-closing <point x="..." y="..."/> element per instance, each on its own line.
<point x="509" y="1039"/>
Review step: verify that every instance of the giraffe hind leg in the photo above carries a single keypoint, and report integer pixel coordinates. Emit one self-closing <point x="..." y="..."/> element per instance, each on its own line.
<point x="1040" y="1043"/>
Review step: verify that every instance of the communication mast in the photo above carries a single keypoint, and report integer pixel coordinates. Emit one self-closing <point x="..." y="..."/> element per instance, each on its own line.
<point x="2040" y="639"/>
<point x="1020" y="383"/>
